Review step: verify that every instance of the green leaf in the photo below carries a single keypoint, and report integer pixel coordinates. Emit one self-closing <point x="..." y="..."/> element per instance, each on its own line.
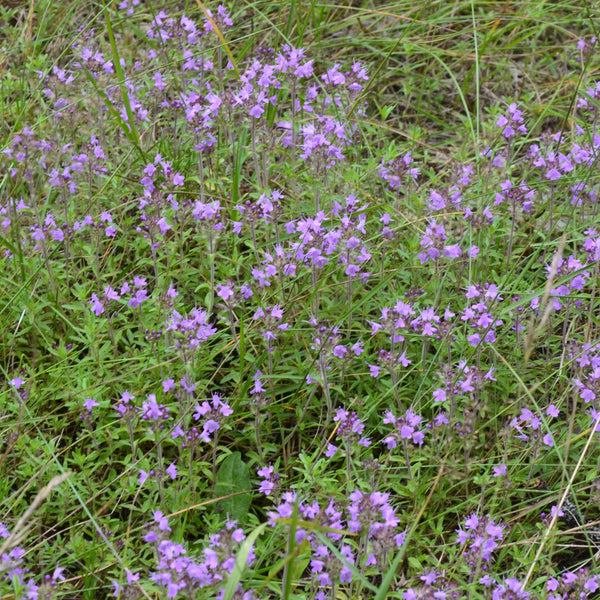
<point x="233" y="486"/>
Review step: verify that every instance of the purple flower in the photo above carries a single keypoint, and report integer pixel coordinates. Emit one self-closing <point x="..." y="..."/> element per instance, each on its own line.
<point x="17" y="382"/>
<point x="161" y="520"/>
<point x="138" y="297"/>
<point x="192" y="329"/>
<point x="269" y="480"/>
<point x="214" y="414"/>
<point x="153" y="411"/>
<point x="439" y="395"/>
<point x="481" y="536"/>
<point x="350" y="428"/>
<point x="172" y="471"/>
<point x="331" y="450"/>
<point x="395" y="171"/>
<point x="512" y="123"/>
<point x="89" y="404"/>
<point x="374" y="370"/>
<point x="225" y="292"/>
<point x="97" y="306"/>
<point x="407" y="427"/>
<point x="500" y="470"/>
<point x="168" y="385"/>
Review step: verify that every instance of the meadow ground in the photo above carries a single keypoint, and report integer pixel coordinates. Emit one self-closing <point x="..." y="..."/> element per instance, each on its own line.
<point x="299" y="301"/>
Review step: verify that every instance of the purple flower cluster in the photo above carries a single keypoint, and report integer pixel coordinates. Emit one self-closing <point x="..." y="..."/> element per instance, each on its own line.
<point x="270" y="321"/>
<point x="477" y="316"/>
<point x="315" y="245"/>
<point x="530" y="426"/>
<point x="154" y="412"/>
<point x="208" y="418"/>
<point x="573" y="269"/>
<point x="64" y="164"/>
<point x="326" y="343"/>
<point x="170" y="472"/>
<point x="257" y="91"/>
<point x="270" y="480"/>
<point x="266" y="208"/>
<point x="190" y="331"/>
<point x="158" y="181"/>
<point x="337" y="237"/>
<point x="434" y="586"/>
<point x="462" y="380"/>
<point x="402" y="322"/>
<point x="434" y="244"/>
<point x="509" y="589"/>
<point x="438" y="586"/>
<point x="396" y="322"/>
<point x="129" y="6"/>
<point x="515" y="195"/>
<point x="208" y="215"/>
<point x="350" y="430"/>
<point x="480" y="537"/>
<point x="408" y="427"/>
<point x="368" y="515"/>
<point x="587" y="358"/>
<point x="178" y="573"/>
<point x="55" y="84"/>
<point x="135" y="292"/>
<point x="579" y="584"/>
<point x="397" y="170"/>
<point x="587" y="379"/>
<point x="68" y="170"/>
<point x="511" y="122"/>
<point x="18" y="577"/>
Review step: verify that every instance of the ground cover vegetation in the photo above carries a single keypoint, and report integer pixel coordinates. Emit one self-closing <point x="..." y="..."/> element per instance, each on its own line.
<point x="299" y="301"/>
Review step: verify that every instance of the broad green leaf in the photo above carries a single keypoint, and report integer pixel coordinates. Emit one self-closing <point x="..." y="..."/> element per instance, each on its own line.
<point x="233" y="485"/>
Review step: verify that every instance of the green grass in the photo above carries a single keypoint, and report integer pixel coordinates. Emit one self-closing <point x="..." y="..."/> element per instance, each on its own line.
<point x="441" y="75"/>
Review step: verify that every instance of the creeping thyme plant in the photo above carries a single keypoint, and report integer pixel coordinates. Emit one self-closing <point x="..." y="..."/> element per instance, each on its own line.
<point x="299" y="301"/>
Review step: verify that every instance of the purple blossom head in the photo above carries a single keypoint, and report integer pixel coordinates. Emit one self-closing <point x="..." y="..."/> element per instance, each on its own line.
<point x="89" y="404"/>
<point x="212" y="415"/>
<point x="269" y="480"/>
<point x="154" y="412"/>
<point x="511" y="122"/>
<point x="409" y="427"/>
<point x="350" y="428"/>
<point x="480" y="537"/>
<point x="191" y="330"/>
<point x="399" y="171"/>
